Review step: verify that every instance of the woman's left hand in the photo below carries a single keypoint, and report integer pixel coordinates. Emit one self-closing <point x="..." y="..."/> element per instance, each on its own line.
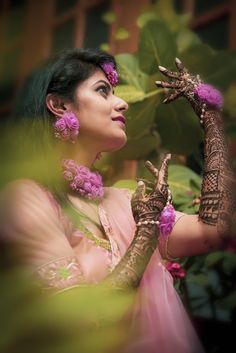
<point x="182" y="82"/>
<point x="148" y="206"/>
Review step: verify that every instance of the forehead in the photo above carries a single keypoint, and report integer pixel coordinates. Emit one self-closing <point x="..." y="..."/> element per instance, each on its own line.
<point x="98" y="75"/>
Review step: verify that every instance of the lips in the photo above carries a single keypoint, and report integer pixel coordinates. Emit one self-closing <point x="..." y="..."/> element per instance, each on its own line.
<point x="119" y="118"/>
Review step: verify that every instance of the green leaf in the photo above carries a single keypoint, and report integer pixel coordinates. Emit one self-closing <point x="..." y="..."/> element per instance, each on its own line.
<point x="195" y="186"/>
<point x="179" y="127"/>
<point x="179" y="180"/>
<point x="156" y="47"/>
<point x="199" y="279"/>
<point x="199" y="59"/>
<point x="129" y="71"/>
<point x="109" y="17"/>
<point x="228" y="302"/>
<point x="129" y="93"/>
<point x="140" y="117"/>
<point x="229" y="263"/>
<point x="214" y="258"/>
<point x="126" y="184"/>
<point x="138" y="148"/>
<point x="121" y="34"/>
<point x="185" y="39"/>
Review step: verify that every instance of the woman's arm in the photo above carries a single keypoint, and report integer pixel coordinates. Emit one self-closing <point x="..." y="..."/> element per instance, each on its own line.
<point x="213" y="226"/>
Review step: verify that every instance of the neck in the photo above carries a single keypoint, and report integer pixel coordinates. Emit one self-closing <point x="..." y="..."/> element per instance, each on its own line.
<point x="82" y="156"/>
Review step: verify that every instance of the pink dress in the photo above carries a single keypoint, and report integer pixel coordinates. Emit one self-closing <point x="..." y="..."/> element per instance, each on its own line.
<point x="164" y="326"/>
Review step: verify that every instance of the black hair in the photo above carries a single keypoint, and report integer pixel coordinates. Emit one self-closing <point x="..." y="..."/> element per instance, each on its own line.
<point x="30" y="128"/>
<point x="60" y="75"/>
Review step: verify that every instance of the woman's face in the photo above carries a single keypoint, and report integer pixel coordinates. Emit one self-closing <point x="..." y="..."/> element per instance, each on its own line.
<point x="100" y="113"/>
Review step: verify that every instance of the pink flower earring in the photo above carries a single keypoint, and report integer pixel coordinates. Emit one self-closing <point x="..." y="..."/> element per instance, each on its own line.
<point x="66" y="128"/>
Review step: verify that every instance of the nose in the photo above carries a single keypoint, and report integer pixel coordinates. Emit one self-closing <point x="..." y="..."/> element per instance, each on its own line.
<point x="121" y="105"/>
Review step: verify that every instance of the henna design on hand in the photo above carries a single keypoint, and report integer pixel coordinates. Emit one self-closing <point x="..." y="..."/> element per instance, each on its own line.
<point x="149" y="206"/>
<point x="184" y="85"/>
<point x="129" y="271"/>
<point x="218" y="199"/>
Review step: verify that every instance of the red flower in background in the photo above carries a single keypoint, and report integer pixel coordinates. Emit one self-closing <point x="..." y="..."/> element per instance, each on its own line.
<point x="175" y="269"/>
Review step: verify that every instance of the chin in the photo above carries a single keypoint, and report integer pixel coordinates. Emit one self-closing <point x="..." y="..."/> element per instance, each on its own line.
<point x="117" y="144"/>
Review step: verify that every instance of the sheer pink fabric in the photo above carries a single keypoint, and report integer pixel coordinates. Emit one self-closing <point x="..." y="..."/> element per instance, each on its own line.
<point x="33" y="220"/>
<point x="164" y="324"/>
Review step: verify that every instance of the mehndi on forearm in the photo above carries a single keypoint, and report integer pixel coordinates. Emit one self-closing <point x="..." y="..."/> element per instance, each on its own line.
<point x="217" y="207"/>
<point x="129" y="271"/>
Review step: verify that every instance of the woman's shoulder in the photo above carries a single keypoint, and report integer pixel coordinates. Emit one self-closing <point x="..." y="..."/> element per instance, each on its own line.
<point x="21" y="200"/>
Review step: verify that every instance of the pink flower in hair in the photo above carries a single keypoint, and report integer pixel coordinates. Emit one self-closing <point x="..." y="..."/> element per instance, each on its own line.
<point x="110" y="72"/>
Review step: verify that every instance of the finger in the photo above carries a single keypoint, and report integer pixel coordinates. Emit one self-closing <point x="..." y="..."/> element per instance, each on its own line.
<point x="148" y="183"/>
<point x="173" y="97"/>
<point x="180" y="66"/>
<point x="163" y="173"/>
<point x="169" y="73"/>
<point x="152" y="169"/>
<point x="140" y="191"/>
<point x="165" y="84"/>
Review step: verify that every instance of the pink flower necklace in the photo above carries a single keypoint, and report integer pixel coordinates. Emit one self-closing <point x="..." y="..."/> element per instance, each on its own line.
<point x="88" y="184"/>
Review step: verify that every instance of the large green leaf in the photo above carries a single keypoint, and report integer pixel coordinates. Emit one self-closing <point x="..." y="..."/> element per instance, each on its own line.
<point x="129" y="93"/>
<point x="127" y="184"/>
<point x="140" y="117"/>
<point x="132" y="94"/>
<point x="129" y="71"/>
<point x="179" y="127"/>
<point x="180" y="178"/>
<point x="218" y="68"/>
<point x="156" y="46"/>
<point x="138" y="148"/>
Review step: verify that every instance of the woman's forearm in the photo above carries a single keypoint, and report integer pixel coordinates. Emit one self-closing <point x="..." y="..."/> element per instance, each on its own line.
<point x="128" y="273"/>
<point x="217" y="205"/>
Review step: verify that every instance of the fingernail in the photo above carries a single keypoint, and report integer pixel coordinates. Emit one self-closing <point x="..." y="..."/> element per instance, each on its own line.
<point x="177" y="61"/>
<point x="165" y="100"/>
<point x="158" y="83"/>
<point x="162" y="68"/>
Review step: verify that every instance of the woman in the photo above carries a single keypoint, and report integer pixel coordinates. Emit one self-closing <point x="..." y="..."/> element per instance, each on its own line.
<point x="78" y="232"/>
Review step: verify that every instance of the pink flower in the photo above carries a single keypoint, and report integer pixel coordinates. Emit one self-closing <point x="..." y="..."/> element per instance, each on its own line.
<point x="168" y="214"/>
<point x="60" y="124"/>
<point x="67" y="127"/>
<point x="68" y="175"/>
<point x="71" y="120"/>
<point x="209" y="94"/>
<point x="176" y="270"/>
<point x="65" y="134"/>
<point x="165" y="228"/>
<point x="87" y="183"/>
<point x="111" y="73"/>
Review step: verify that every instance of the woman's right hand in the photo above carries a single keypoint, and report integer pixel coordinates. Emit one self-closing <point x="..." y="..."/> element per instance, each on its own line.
<point x="148" y="206"/>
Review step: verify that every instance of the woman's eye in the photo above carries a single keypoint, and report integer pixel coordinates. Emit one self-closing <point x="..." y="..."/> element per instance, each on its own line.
<point x="102" y="90"/>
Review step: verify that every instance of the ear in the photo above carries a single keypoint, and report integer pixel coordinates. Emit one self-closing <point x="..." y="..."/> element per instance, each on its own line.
<point x="56" y="105"/>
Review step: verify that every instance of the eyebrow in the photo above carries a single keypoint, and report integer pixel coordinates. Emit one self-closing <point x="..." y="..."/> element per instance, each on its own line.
<point x="106" y="84"/>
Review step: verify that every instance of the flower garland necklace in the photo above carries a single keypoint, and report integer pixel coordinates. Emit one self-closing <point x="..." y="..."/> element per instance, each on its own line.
<point x="88" y="184"/>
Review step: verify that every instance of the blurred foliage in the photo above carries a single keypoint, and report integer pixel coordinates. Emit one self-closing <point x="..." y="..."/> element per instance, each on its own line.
<point x="83" y="319"/>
